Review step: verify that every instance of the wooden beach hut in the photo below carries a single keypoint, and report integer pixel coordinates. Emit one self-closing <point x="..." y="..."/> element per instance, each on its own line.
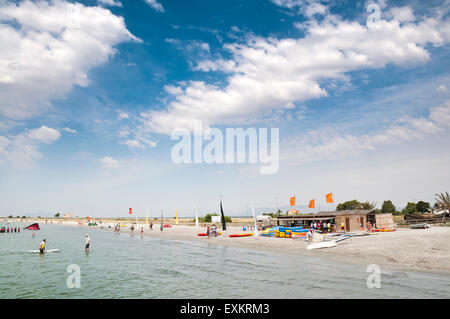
<point x="353" y="220"/>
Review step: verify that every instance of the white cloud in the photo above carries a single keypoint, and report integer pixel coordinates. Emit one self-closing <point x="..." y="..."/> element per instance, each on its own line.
<point x="111" y="3"/>
<point x="326" y="144"/>
<point x="69" y="130"/>
<point x="22" y="150"/>
<point x="139" y="143"/>
<point x="307" y="7"/>
<point x="50" y="46"/>
<point x="267" y="75"/>
<point x="442" y="89"/>
<point x="402" y="14"/>
<point x="133" y="144"/>
<point x="155" y="5"/>
<point x="122" y="115"/>
<point x="109" y="162"/>
<point x="124" y="133"/>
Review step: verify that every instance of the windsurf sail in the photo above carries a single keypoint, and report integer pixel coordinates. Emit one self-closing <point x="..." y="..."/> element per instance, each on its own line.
<point x="33" y="227"/>
<point x="196" y="216"/>
<point x="254" y="220"/>
<point x="224" y="225"/>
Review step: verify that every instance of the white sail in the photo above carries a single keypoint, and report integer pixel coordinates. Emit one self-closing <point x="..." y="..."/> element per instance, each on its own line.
<point x="196" y="216"/>
<point x="254" y="220"/>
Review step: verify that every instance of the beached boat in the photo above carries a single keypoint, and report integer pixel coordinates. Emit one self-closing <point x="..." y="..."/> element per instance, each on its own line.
<point x="241" y="235"/>
<point x="419" y="226"/>
<point x="385" y="230"/>
<point x="205" y="234"/>
<point x="324" y="244"/>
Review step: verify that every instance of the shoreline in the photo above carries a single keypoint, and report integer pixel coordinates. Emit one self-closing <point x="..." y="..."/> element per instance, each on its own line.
<point x="419" y="250"/>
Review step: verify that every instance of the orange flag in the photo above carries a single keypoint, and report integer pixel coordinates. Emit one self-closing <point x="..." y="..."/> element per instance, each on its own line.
<point x="311" y="203"/>
<point x="329" y="197"/>
<point x="293" y="201"/>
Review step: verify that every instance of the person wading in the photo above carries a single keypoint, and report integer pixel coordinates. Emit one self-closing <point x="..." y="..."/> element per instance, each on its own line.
<point x="88" y="243"/>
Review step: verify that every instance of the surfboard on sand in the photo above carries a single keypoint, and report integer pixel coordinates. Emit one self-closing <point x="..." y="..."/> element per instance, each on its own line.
<point x="45" y="251"/>
<point x="324" y="244"/>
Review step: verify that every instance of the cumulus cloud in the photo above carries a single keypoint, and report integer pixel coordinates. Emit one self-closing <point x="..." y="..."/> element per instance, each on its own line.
<point x="269" y="75"/>
<point x="21" y="150"/>
<point x="155" y="5"/>
<point x="326" y="144"/>
<point x="109" y="162"/>
<point x="48" y="47"/>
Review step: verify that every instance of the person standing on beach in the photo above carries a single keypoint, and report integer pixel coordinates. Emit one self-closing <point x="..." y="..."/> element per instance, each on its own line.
<point x="88" y="243"/>
<point x="207" y="232"/>
<point x="151" y="225"/>
<point x="142" y="232"/>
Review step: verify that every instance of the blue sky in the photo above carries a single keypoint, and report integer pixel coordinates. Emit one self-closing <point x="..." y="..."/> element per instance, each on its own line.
<point x="91" y="90"/>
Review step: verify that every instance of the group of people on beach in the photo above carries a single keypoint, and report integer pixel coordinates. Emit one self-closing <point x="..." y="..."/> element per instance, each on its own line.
<point x="323" y="226"/>
<point x="211" y="231"/>
<point x="4" y="229"/>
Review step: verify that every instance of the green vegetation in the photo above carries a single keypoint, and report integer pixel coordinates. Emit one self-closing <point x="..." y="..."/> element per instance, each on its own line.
<point x="387" y="207"/>
<point x="410" y="208"/>
<point x="207" y="218"/>
<point x="422" y="206"/>
<point x="57" y="215"/>
<point x="355" y="205"/>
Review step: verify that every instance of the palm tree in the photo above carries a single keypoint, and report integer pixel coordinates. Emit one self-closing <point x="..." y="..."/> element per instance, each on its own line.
<point x="368" y="206"/>
<point x="443" y="200"/>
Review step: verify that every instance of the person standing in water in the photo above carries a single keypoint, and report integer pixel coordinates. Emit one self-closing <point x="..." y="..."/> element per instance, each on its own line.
<point x="42" y="247"/>
<point x="88" y="242"/>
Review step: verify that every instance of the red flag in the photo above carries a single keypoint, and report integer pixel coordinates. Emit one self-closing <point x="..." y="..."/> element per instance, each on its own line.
<point x="293" y="201"/>
<point x="130" y="211"/>
<point x="311" y="203"/>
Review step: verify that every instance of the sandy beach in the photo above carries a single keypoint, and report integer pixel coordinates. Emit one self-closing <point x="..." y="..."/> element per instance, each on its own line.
<point x="405" y="249"/>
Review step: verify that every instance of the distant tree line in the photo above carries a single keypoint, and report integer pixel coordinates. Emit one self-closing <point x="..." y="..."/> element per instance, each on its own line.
<point x="421" y="207"/>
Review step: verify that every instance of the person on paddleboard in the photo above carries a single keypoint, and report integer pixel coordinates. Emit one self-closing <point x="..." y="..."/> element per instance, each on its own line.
<point x="42" y="247"/>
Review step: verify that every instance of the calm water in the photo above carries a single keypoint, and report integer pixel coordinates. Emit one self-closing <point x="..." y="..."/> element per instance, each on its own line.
<point x="125" y="266"/>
